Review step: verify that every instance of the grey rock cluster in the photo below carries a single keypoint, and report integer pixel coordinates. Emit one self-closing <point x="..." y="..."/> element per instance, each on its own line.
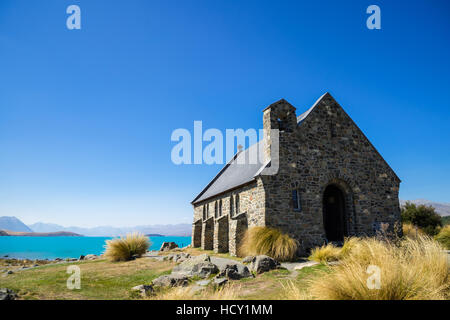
<point x="178" y="257"/>
<point x="166" y="246"/>
<point x="263" y="263"/>
<point x="7" y="294"/>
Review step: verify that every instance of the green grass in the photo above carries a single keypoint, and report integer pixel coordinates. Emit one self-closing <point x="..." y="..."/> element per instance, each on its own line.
<point x="99" y="279"/>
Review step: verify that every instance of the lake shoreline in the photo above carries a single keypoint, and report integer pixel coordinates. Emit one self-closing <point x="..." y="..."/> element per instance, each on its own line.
<point x="54" y="248"/>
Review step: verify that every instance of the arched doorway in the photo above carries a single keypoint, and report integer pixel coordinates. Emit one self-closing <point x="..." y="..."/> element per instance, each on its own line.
<point x="334" y="215"/>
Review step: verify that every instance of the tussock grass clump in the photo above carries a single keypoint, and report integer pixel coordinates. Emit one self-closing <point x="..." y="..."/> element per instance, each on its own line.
<point x="325" y="254"/>
<point x="415" y="269"/>
<point x="124" y="248"/>
<point x="412" y="231"/>
<point x="227" y="292"/>
<point x="268" y="241"/>
<point x="443" y="237"/>
<point x="328" y="253"/>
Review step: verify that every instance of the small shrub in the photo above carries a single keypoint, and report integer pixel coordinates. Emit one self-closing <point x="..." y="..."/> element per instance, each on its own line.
<point x="416" y="269"/>
<point x="443" y="237"/>
<point x="328" y="253"/>
<point x="422" y="216"/>
<point x="227" y="292"/>
<point x="268" y="241"/>
<point x="325" y="254"/>
<point x="124" y="248"/>
<point x="412" y="231"/>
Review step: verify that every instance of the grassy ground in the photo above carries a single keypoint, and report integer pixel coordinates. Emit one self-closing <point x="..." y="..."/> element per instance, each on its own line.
<point x="101" y="279"/>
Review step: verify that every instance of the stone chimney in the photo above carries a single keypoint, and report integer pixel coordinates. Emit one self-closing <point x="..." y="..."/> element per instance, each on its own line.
<point x="279" y="115"/>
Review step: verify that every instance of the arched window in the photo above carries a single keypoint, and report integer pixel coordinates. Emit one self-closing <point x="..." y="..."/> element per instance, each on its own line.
<point x="231" y="205"/>
<point x="237" y="204"/>
<point x="220" y="208"/>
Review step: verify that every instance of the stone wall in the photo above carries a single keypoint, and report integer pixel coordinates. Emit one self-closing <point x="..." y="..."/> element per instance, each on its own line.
<point x="251" y="204"/>
<point x="328" y="148"/>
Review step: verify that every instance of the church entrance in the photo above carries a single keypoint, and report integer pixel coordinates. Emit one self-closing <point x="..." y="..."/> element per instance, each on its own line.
<point x="334" y="215"/>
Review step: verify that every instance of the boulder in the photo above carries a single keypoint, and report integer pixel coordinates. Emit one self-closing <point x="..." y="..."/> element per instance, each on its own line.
<point x="81" y="257"/>
<point x="220" y="281"/>
<point x="179" y="257"/>
<point x="171" y="280"/>
<point x="90" y="257"/>
<point x="203" y="283"/>
<point x="143" y="289"/>
<point x="235" y="271"/>
<point x="263" y="263"/>
<point x="166" y="246"/>
<point x="7" y="294"/>
<point x="200" y="266"/>
<point x="248" y="259"/>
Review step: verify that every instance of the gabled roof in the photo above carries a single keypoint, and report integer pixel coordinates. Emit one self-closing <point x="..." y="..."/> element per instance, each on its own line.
<point x="240" y="170"/>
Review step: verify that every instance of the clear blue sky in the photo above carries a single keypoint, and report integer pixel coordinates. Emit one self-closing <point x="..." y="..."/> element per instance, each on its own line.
<point x="86" y="115"/>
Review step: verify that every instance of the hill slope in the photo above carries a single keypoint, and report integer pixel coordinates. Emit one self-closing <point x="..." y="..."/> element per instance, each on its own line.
<point x="441" y="208"/>
<point x="13" y="224"/>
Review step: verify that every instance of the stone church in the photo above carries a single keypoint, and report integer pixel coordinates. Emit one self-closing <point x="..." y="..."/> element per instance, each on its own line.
<point x="330" y="183"/>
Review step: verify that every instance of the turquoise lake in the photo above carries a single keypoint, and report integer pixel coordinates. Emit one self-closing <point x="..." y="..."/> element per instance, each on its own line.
<point x="66" y="247"/>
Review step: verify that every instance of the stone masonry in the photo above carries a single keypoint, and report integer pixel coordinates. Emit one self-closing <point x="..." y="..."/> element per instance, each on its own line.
<point x="343" y="185"/>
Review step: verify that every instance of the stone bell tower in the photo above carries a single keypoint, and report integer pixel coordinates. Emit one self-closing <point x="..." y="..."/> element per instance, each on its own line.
<point x="281" y="116"/>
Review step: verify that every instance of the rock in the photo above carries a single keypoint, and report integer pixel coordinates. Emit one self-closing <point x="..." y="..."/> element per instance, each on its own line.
<point x="263" y="263"/>
<point x="143" y="289"/>
<point x="81" y="257"/>
<point x="235" y="271"/>
<point x="7" y="294"/>
<point x="35" y="265"/>
<point x="90" y="257"/>
<point x="58" y="259"/>
<point x="178" y="257"/>
<point x="9" y="272"/>
<point x="248" y="259"/>
<point x="171" y="280"/>
<point x="200" y="266"/>
<point x="305" y="264"/>
<point x="166" y="246"/>
<point x="220" y="281"/>
<point x="203" y="283"/>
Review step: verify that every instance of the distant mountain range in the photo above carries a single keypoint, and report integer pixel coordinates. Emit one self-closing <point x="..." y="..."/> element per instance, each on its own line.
<point x="182" y="229"/>
<point x="440" y="207"/>
<point x="13" y="224"/>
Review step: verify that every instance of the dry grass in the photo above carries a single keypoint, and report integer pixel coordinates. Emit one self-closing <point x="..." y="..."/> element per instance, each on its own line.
<point x="124" y="248"/>
<point x="443" y="237"/>
<point x="268" y="241"/>
<point x="412" y="231"/>
<point x="328" y="253"/>
<point x="227" y="292"/>
<point x="416" y="269"/>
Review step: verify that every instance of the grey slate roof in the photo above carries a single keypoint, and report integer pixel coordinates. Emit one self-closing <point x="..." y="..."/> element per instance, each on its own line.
<point x="242" y="169"/>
